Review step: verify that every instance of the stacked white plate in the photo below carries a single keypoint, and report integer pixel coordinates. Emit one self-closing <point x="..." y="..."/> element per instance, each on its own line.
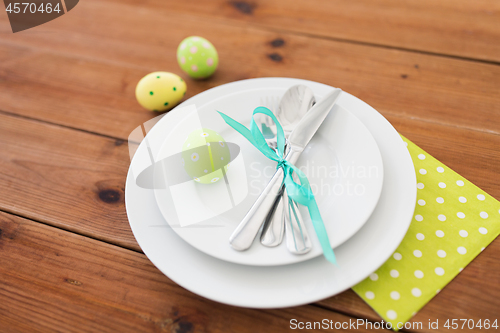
<point x="359" y="168"/>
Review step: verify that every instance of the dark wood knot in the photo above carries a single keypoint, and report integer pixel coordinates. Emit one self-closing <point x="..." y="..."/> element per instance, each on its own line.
<point x="243" y="7"/>
<point x="404" y="76"/>
<point x="119" y="142"/>
<point x="109" y="196"/>
<point x="184" y="326"/>
<point x="278" y="42"/>
<point x="275" y="57"/>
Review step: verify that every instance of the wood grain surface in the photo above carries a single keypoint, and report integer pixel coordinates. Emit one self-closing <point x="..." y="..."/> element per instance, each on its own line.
<point x="68" y="260"/>
<point x="59" y="281"/>
<point x="460" y="28"/>
<point x="84" y="77"/>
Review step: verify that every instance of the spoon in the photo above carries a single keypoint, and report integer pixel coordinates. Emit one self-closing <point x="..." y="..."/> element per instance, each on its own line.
<point x="296" y="101"/>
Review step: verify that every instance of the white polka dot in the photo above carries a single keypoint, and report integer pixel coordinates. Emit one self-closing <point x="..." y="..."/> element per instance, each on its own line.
<point x="419" y="218"/>
<point x="370" y="295"/>
<point x="439" y="200"/>
<point x="482" y="249"/>
<point x="461" y="215"/>
<point x="204" y="134"/>
<point x="395" y="295"/>
<point x="460" y="183"/>
<point x="417" y="253"/>
<point x="439" y="271"/>
<point x="392" y="315"/>
<point x="374" y="276"/>
<point x="197" y="179"/>
<point x="463" y="233"/>
<point x="484" y="215"/>
<point x="483" y="230"/>
<point x="462" y="199"/>
<point x="421" y="202"/>
<point x="438" y="291"/>
<point x="222" y="158"/>
<point x="440" y="169"/>
<point x="210" y="62"/>
<point x="420" y="236"/>
<point x="460" y="269"/>
<point x="394" y="273"/>
<point x="183" y="60"/>
<point x="419" y="274"/>
<point x="416" y="292"/>
<point x="439" y="233"/>
<point x="205" y="170"/>
<point x="422" y="171"/>
<point x="397" y="256"/>
<point x="214" y="179"/>
<point x="441" y="253"/>
<point x="421" y="156"/>
<point x="462" y="250"/>
<point x="442" y="185"/>
<point x="195" y="157"/>
<point x="481" y="197"/>
<point x="420" y="186"/>
<point x="193" y="49"/>
<point x="441" y="217"/>
<point x="195" y="39"/>
<point x="406" y="143"/>
<point x="194" y="68"/>
<point x="188" y="145"/>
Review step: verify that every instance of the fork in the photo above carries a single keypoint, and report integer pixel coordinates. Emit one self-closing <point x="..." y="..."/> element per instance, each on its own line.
<point x="269" y="130"/>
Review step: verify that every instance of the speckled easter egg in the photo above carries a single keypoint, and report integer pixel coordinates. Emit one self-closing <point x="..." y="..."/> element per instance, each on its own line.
<point x="197" y="57"/>
<point x="160" y="91"/>
<point x="205" y="155"/>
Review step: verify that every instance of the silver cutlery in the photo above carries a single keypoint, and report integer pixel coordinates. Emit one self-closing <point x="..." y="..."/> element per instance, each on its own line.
<point x="245" y="233"/>
<point x="296" y="101"/>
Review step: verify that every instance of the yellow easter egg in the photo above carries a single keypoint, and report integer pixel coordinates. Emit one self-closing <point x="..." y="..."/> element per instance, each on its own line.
<point x="160" y="91"/>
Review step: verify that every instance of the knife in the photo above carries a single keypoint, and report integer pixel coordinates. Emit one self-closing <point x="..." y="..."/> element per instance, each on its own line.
<point x="244" y="235"/>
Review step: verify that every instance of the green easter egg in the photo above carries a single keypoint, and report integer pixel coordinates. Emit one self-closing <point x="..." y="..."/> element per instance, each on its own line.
<point x="160" y="91"/>
<point x="205" y="155"/>
<point x="197" y="57"/>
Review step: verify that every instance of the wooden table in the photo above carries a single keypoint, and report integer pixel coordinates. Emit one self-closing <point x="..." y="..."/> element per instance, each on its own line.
<point x="68" y="260"/>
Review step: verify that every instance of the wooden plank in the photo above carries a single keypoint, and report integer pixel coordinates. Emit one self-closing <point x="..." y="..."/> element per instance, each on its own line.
<point x="65" y="178"/>
<point x="46" y="169"/>
<point x="53" y="280"/>
<point x="460" y="28"/>
<point x="86" y="76"/>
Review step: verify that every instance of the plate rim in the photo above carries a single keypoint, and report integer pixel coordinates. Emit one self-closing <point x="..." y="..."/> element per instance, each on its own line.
<point x="289" y="259"/>
<point x="314" y="264"/>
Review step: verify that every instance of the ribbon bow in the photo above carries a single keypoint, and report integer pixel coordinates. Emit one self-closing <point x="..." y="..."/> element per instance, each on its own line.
<point x="300" y="193"/>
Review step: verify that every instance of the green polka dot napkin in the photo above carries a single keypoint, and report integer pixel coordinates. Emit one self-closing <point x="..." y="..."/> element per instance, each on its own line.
<point x="454" y="220"/>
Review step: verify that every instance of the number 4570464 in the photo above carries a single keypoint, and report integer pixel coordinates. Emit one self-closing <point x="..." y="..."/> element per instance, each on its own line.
<point x="462" y="324"/>
<point x="31" y="8"/>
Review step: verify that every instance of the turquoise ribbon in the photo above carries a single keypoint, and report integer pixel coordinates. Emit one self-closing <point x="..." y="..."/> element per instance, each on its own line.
<point x="300" y="193"/>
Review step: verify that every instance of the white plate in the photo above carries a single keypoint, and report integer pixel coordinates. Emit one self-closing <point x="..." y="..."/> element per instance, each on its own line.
<point x="290" y="285"/>
<point x="342" y="162"/>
